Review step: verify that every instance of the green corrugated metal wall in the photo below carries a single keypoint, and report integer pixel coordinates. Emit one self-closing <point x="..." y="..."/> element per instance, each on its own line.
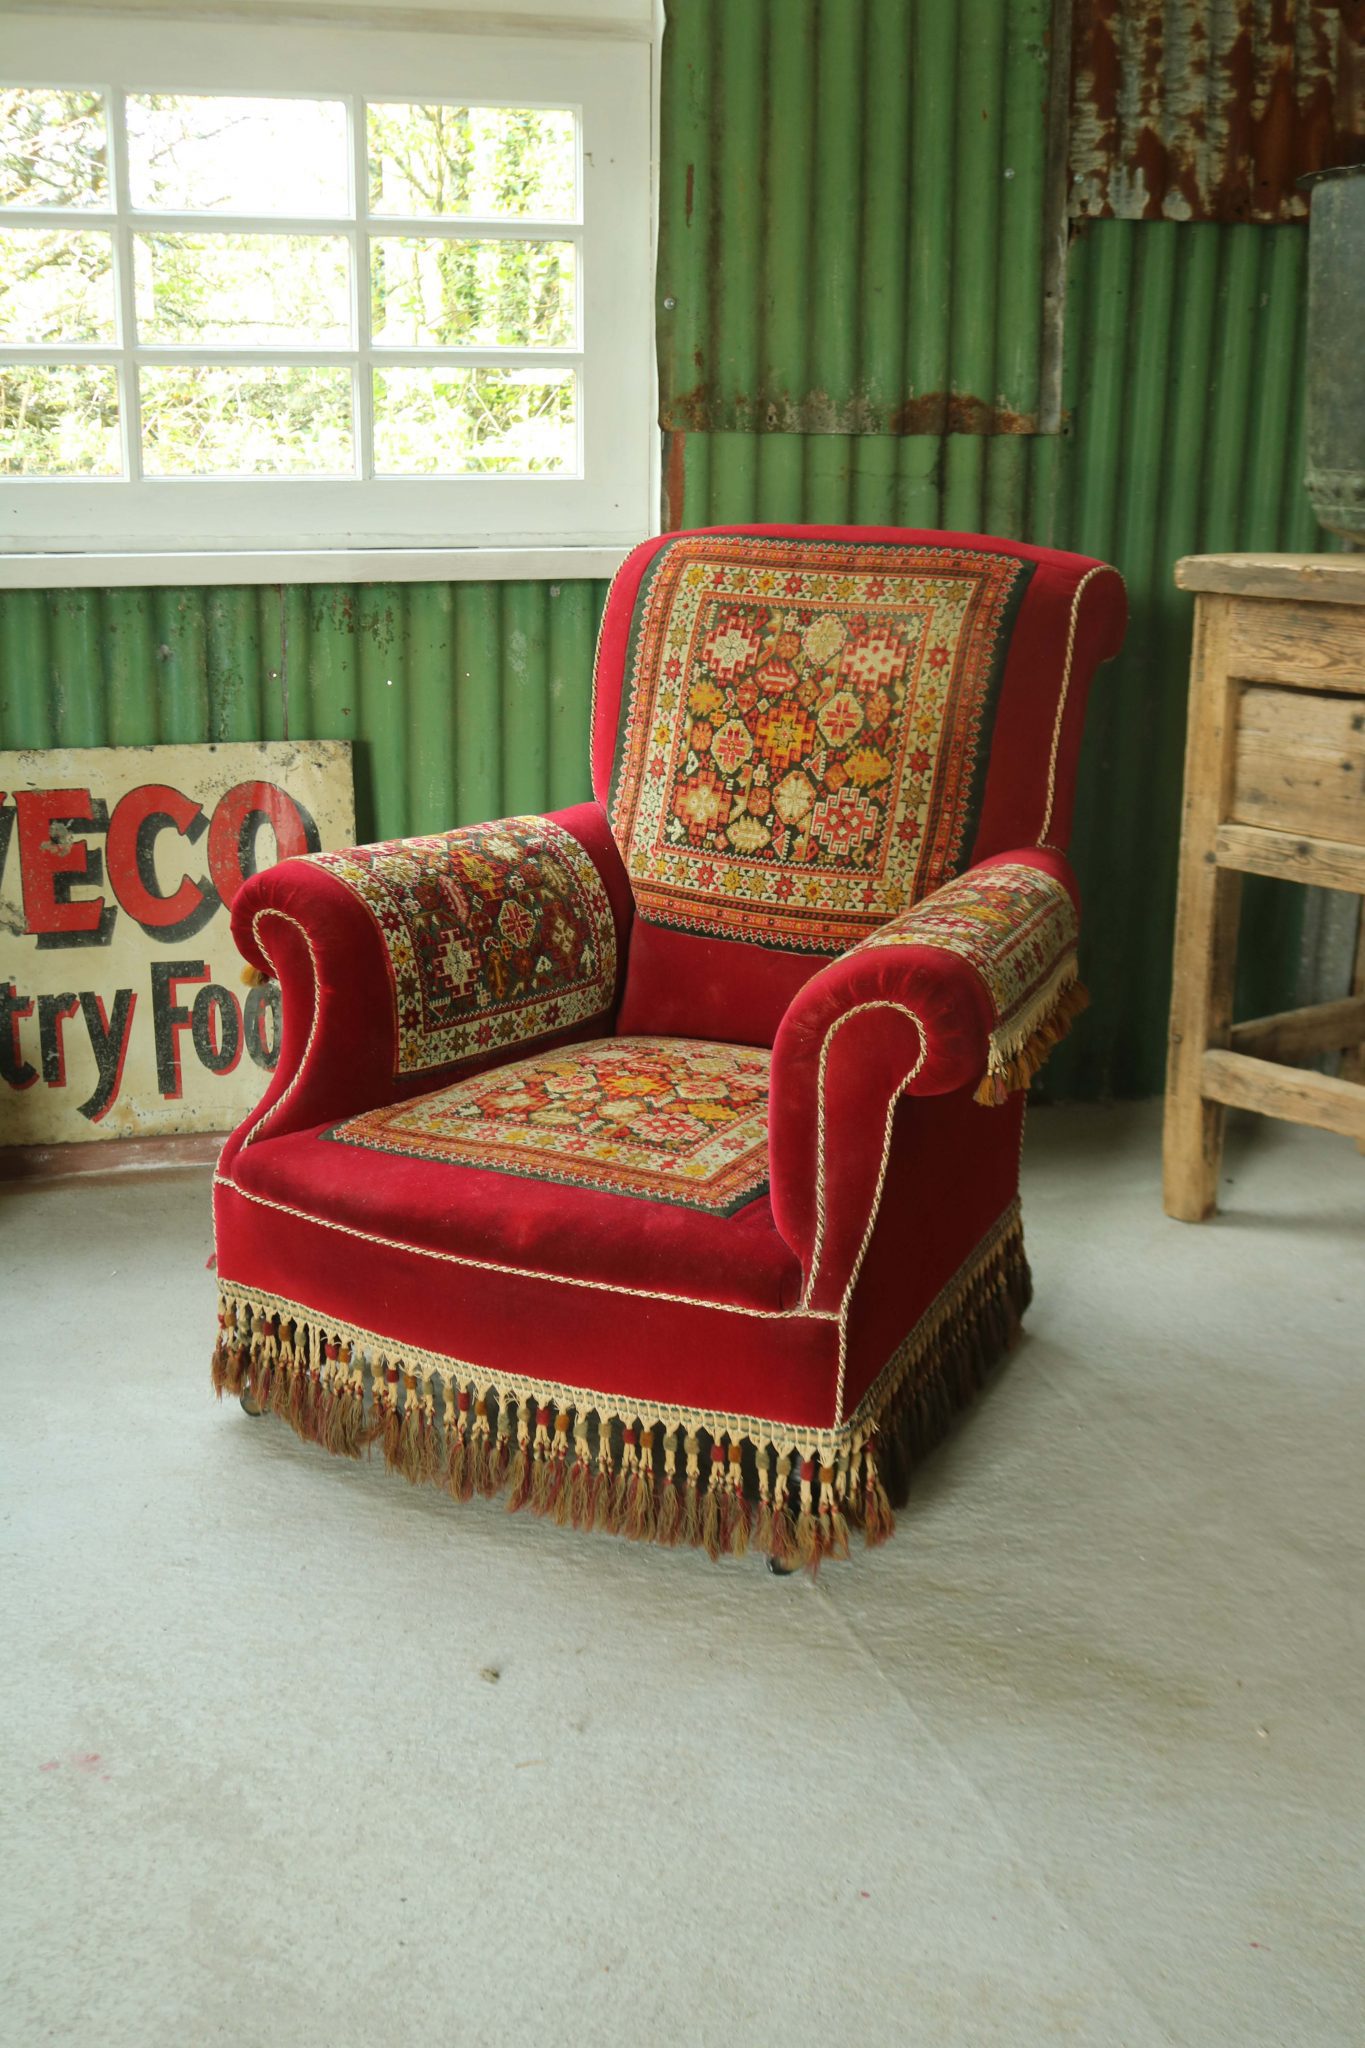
<point x="1181" y="388"/>
<point x="851" y="220"/>
<point x="464" y="700"/>
<point x="842" y="241"/>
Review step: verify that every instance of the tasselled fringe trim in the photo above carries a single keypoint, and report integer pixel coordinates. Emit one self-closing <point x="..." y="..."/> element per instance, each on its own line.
<point x="1017" y="1051"/>
<point x="721" y="1484"/>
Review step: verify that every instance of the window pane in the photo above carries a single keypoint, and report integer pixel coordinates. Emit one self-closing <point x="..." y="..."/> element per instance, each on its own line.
<point x="59" y="420"/>
<point x="246" y="290"/>
<point x="52" y="148"/>
<point x="436" y="290"/>
<point x="208" y="152"/>
<point x="56" y="284"/>
<point x="209" y="420"/>
<point x="485" y="161"/>
<point x="450" y="422"/>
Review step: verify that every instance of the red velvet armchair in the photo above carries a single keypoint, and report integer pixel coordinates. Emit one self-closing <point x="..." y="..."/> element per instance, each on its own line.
<point x="654" y="1165"/>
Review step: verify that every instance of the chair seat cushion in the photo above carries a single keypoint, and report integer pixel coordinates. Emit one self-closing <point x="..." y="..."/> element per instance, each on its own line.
<point x="661" y="1119"/>
<point x="641" y="1161"/>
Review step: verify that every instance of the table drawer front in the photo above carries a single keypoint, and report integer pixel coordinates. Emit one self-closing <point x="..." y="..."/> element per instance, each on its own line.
<point x="1322" y="645"/>
<point x="1300" y="763"/>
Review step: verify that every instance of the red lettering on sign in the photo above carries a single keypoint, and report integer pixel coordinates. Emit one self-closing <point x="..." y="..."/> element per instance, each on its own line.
<point x="45" y="857"/>
<point x="232" y="832"/>
<point x="137" y="819"/>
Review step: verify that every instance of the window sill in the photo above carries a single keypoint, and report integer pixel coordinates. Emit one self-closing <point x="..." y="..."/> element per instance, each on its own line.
<point x="299" y="565"/>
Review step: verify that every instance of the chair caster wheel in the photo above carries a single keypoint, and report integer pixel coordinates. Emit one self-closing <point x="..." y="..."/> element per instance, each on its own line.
<point x="780" y="1571"/>
<point x="250" y="1405"/>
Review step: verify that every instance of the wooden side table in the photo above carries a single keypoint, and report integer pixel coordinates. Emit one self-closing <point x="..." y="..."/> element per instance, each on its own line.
<point x="1274" y="785"/>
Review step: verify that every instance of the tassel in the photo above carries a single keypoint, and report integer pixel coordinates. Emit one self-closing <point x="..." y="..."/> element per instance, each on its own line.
<point x="575" y="1502"/>
<point x="234" y="1361"/>
<point x="711" y="1532"/>
<point x="690" y="1531"/>
<point x="500" y="1459"/>
<point x="878" y="1520"/>
<point x="1013" y="1065"/>
<point x="282" y="1382"/>
<point x="459" y="1480"/>
<point x="522" y="1475"/>
<point x="807" y="1525"/>
<point x="264" y="1361"/>
<point x="649" y="1503"/>
<point x="670" y="1501"/>
<point x="479" y="1471"/>
<point x="735" y="1508"/>
<point x="540" y="1463"/>
<point x="833" y="1521"/>
<point x="638" y="1520"/>
<point x="386" y="1427"/>
<point x="354" y="1436"/>
<point x="369" y="1427"/>
<point x="627" y="1474"/>
<point x="220" y="1352"/>
<point x="423" y="1452"/>
<point x="763" y="1519"/>
<point x="555" y="1504"/>
<point x="303" y="1387"/>
<point x="330" y="1400"/>
<point x="350" y="1426"/>
<point x="604" y="1483"/>
<point x="782" y="1547"/>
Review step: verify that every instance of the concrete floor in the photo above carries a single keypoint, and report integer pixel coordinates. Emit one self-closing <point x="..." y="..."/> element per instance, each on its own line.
<point x="293" y="1755"/>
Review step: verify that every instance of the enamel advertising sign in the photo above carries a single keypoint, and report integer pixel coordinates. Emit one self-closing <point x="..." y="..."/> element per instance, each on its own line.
<point x="122" y="1007"/>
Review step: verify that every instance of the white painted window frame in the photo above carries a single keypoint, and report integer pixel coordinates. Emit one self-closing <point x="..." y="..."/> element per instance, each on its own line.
<point x="609" y="505"/>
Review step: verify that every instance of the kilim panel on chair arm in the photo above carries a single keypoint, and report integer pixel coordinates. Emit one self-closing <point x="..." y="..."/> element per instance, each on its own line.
<point x="968" y="991"/>
<point x="405" y="962"/>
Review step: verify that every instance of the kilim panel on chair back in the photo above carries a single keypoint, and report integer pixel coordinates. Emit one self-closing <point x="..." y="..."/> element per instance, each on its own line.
<point x="802" y="729"/>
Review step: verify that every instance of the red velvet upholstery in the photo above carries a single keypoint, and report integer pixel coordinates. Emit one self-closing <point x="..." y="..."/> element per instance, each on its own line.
<point x="609" y="1342"/>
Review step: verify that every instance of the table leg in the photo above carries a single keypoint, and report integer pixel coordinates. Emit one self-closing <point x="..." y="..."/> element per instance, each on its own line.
<point x="1208" y="904"/>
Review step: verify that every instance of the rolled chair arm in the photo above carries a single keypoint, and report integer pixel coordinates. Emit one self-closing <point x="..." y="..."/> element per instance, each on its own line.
<point x="403" y="964"/>
<point x="969" y="990"/>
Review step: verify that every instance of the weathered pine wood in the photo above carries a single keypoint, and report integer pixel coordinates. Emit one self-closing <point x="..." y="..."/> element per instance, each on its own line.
<point x="1208" y="899"/>
<point x="1300" y="762"/>
<point x="1317" y="646"/>
<point x="1292" y="857"/>
<point x="1335" y="579"/>
<point x="1298" y="1034"/>
<point x="1288" y="1092"/>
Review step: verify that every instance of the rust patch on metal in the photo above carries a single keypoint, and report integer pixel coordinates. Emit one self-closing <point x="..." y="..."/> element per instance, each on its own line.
<point x="1212" y="109"/>
<point x="701" y="410"/>
<point x="675" y="483"/>
<point x="957" y="412"/>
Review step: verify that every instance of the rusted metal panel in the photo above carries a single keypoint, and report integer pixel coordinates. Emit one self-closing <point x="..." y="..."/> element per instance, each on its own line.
<point x="1212" y="109"/>
<point x="1183" y="393"/>
<point x="853" y="217"/>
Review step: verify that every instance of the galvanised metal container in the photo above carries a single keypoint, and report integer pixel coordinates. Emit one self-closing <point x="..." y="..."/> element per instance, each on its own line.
<point x="1336" y="350"/>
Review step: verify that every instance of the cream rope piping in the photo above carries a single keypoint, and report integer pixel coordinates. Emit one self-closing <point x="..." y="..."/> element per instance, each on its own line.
<point x="592" y="700"/>
<point x="847" y="1299"/>
<point x="797" y="1313"/>
<point x="264" y="1117"/>
<point x="917" y="1338"/>
<point x="1100" y="569"/>
<point x="817" y="1250"/>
